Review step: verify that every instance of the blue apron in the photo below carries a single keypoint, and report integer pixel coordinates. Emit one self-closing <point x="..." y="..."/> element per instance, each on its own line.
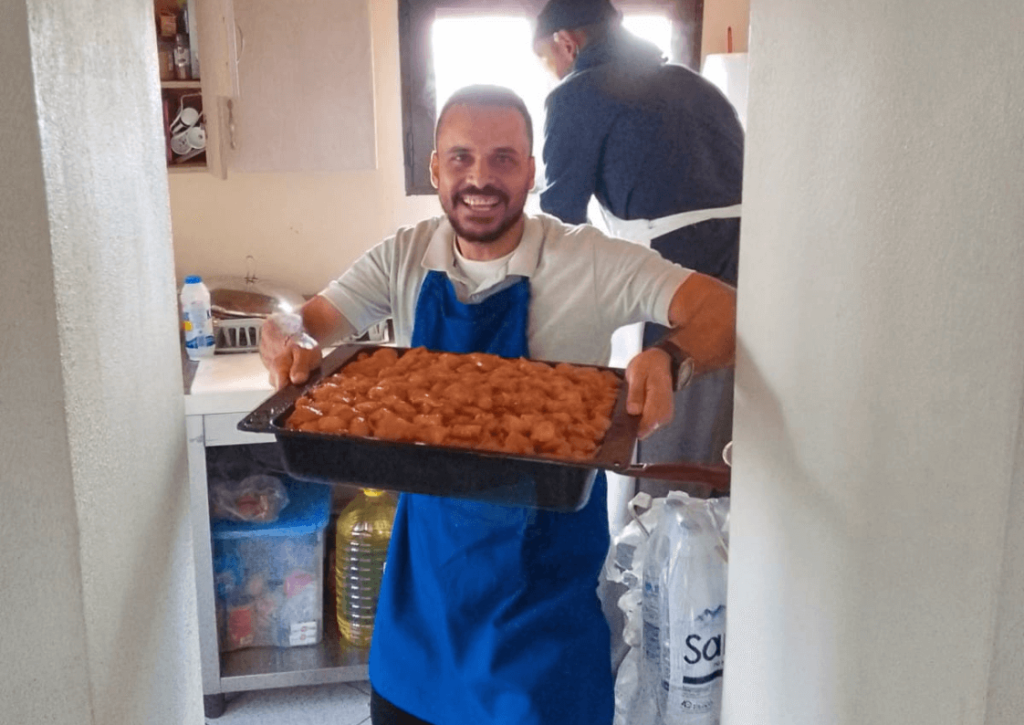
<point x="488" y="614"/>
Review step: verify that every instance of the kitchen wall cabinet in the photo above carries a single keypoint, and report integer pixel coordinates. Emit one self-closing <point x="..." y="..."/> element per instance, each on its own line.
<point x="182" y="154"/>
<point x="286" y="86"/>
<point x="219" y="393"/>
<point x="218" y="53"/>
<point x="185" y="142"/>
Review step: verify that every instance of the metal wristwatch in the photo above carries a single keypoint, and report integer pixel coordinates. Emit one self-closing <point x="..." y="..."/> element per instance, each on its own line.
<point x="681" y="365"/>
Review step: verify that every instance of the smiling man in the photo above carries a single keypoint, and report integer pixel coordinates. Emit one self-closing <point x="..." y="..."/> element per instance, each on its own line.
<point x="489" y="614"/>
<point x="482" y="184"/>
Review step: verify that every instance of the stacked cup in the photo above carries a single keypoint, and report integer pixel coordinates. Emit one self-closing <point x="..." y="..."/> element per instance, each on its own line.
<point x="187" y="133"/>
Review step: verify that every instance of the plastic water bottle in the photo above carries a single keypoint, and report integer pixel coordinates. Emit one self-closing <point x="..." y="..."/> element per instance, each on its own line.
<point x="361" y="547"/>
<point x="198" y="318"/>
<point x="684" y="614"/>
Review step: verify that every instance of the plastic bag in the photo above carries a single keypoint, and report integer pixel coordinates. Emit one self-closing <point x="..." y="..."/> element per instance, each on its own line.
<point x="670" y="564"/>
<point x="259" y="498"/>
<point x="620" y="592"/>
<point x="619" y="588"/>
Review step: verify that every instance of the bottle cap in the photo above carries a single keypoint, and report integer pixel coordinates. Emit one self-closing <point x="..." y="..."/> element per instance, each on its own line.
<point x="193" y="279"/>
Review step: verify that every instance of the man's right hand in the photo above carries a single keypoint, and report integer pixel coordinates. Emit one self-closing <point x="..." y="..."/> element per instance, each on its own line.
<point x="287" y="350"/>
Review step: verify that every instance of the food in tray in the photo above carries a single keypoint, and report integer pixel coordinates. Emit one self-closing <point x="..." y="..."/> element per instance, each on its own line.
<point x="474" y="400"/>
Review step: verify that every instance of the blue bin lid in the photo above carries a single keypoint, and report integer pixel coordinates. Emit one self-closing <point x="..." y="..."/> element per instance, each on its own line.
<point x="308" y="511"/>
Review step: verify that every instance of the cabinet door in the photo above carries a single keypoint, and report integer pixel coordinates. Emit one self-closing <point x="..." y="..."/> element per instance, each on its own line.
<point x="305" y="76"/>
<point x="218" y="60"/>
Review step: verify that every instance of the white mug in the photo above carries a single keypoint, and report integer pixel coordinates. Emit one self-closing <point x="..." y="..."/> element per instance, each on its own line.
<point x="180" y="144"/>
<point x="186" y="117"/>
<point x="196" y="137"/>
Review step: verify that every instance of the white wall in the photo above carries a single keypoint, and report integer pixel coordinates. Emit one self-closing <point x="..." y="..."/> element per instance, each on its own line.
<point x="719" y="16"/>
<point x="98" y="605"/>
<point x="303" y="229"/>
<point x="876" y="567"/>
<point x="38" y="524"/>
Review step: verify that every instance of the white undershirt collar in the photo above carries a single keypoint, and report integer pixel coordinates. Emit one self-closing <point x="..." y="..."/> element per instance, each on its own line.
<point x="482" y="274"/>
<point x="522" y="261"/>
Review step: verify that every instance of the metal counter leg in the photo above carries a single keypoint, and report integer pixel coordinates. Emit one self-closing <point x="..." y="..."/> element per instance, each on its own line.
<point x="214" y="705"/>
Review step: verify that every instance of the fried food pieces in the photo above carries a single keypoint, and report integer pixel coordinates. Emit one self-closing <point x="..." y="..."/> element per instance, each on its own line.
<point x="475" y="400"/>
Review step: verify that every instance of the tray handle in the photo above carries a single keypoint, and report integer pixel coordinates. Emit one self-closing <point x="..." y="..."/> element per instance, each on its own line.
<point x="715" y="477"/>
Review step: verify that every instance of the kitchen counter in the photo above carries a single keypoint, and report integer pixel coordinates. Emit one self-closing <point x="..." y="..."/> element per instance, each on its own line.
<point x="226" y="383"/>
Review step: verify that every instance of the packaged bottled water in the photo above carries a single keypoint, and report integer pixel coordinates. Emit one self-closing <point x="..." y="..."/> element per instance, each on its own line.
<point x="684" y="614"/>
<point x="198" y="318"/>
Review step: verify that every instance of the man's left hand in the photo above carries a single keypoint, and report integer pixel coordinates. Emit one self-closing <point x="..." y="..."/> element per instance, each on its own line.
<point x="649" y="395"/>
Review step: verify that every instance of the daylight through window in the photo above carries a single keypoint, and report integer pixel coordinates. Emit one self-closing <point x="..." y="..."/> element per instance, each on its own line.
<point x="448" y="44"/>
<point x="498" y="49"/>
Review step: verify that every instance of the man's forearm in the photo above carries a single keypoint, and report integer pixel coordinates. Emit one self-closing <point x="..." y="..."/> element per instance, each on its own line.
<point x="324" y="323"/>
<point x="703" y="319"/>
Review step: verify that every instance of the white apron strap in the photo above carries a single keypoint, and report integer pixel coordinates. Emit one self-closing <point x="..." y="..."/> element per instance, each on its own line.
<point x="627" y="341"/>
<point x="644" y="230"/>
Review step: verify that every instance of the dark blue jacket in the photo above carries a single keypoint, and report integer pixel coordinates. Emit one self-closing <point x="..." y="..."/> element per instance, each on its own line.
<point x="649" y="139"/>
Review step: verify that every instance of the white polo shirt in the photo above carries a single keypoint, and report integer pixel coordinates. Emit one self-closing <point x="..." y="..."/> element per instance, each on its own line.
<point x="583" y="284"/>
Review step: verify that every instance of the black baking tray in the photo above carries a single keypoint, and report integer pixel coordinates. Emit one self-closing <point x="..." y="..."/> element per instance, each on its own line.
<point x="532" y="481"/>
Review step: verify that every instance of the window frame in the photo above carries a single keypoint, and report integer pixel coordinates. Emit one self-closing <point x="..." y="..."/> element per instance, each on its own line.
<point x="416" y="65"/>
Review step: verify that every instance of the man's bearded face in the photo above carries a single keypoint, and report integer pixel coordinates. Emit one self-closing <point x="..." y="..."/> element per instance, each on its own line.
<point x="483" y="170"/>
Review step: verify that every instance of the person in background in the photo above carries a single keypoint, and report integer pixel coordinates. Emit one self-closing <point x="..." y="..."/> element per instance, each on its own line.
<point x="661" y="149"/>
<point x="488" y="614"/>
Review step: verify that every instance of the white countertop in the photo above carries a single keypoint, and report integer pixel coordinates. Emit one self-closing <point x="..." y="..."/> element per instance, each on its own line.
<point x="232" y="383"/>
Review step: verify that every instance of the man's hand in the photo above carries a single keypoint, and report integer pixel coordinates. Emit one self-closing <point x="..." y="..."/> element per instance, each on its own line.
<point x="649" y="395"/>
<point x="287" y="351"/>
<point x="703" y="316"/>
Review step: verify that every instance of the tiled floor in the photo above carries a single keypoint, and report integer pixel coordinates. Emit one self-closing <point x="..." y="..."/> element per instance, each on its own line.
<point x="339" y="704"/>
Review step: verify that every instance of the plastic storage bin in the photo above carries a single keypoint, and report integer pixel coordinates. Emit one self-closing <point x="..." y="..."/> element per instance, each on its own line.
<point x="268" y="577"/>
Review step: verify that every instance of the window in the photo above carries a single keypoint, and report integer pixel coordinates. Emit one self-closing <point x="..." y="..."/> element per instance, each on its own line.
<point x="448" y="44"/>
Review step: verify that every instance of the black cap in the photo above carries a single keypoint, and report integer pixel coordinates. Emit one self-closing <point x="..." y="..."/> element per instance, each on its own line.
<point x="571" y="14"/>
